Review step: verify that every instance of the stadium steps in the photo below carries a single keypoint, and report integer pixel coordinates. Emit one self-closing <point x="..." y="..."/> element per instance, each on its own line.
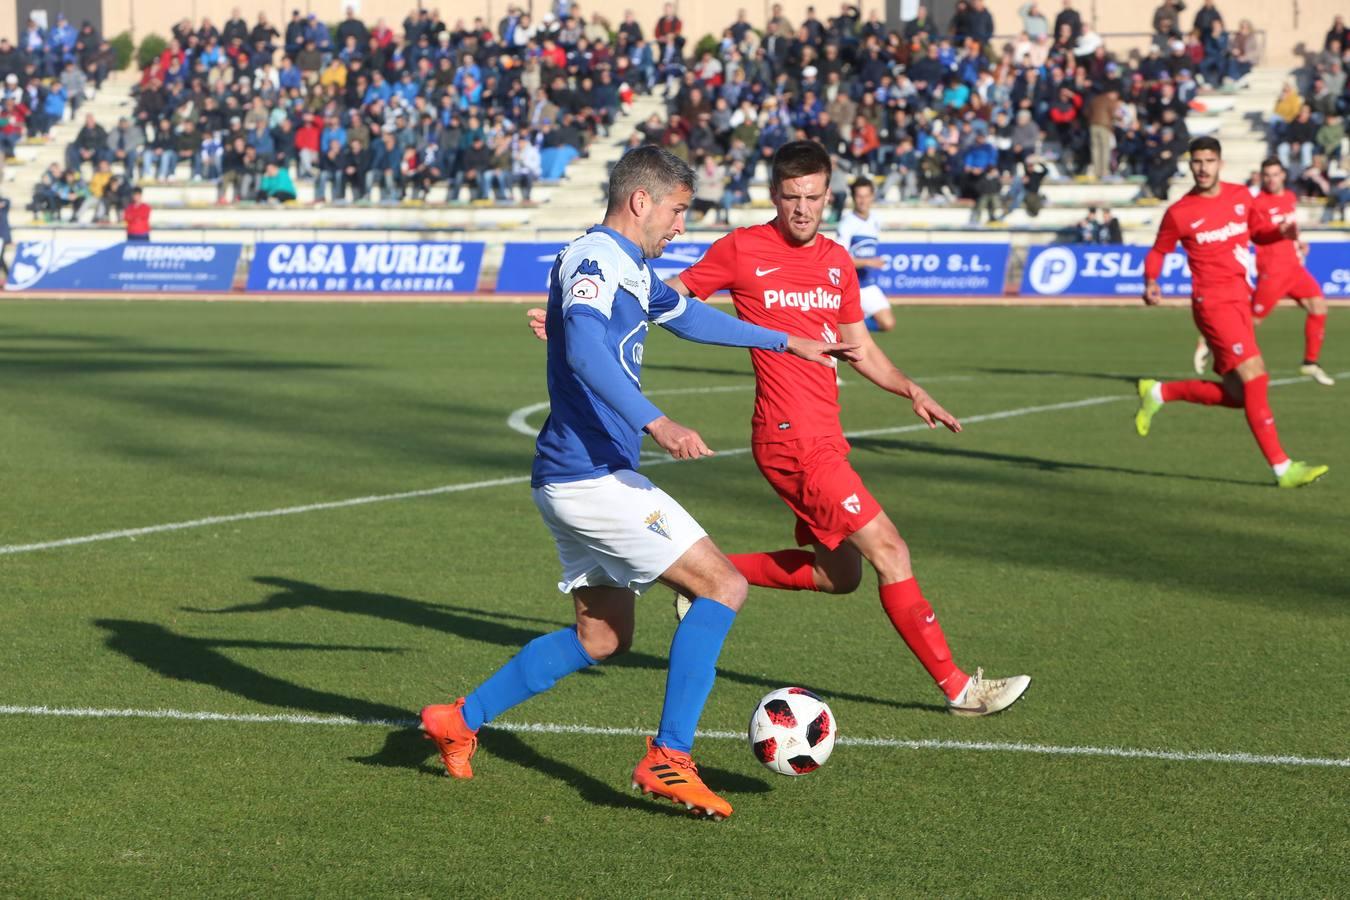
<point x="34" y="157"/>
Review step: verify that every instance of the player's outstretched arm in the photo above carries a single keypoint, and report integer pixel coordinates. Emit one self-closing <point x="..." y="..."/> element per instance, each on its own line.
<point x="876" y="367"/>
<point x="678" y="441"/>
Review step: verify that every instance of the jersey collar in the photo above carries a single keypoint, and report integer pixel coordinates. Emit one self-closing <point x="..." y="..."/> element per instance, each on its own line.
<point x="633" y="250"/>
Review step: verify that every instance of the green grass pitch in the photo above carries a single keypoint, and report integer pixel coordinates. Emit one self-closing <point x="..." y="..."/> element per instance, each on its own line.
<point x="1162" y="593"/>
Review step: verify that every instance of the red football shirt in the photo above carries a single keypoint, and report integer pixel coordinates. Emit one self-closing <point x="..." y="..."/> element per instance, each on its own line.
<point x="1274" y="252"/>
<point x="806" y="291"/>
<point x="1215" y="233"/>
<point x="137" y="217"/>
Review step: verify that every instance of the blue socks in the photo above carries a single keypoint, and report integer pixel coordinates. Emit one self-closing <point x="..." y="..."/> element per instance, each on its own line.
<point x="693" y="668"/>
<point x="871" y="323"/>
<point x="538" y="666"/>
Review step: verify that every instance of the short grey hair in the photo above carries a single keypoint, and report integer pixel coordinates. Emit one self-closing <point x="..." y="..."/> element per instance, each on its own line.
<point x="648" y="168"/>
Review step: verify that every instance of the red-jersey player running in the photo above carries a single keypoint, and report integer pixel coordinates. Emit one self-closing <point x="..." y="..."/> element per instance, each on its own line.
<point x="786" y="273"/>
<point x="1280" y="273"/>
<point x="1214" y="222"/>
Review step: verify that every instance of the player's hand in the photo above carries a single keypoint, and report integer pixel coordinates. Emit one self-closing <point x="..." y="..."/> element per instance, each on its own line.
<point x="932" y="413"/>
<point x="1152" y="293"/>
<point x="678" y="441"/>
<point x="1303" y="249"/>
<point x="537" y="317"/>
<point x="822" y="352"/>
<point x="1289" y="230"/>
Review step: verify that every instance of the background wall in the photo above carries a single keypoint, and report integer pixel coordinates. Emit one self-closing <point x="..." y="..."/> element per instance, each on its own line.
<point x="1288" y="25"/>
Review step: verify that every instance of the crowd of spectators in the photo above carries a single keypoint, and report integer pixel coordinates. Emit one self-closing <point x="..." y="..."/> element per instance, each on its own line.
<point x="365" y="113"/>
<point x="1307" y="128"/>
<point x="934" y="111"/>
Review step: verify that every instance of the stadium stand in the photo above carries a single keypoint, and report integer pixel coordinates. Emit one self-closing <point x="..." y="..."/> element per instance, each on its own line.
<point x="443" y="127"/>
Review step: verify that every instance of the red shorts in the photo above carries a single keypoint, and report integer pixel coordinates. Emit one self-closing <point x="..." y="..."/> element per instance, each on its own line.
<point x="817" y="483"/>
<point x="1227" y="329"/>
<point x="1272" y="287"/>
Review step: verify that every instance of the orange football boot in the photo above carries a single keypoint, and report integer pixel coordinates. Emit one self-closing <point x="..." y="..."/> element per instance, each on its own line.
<point x="673" y="775"/>
<point x="444" y="724"/>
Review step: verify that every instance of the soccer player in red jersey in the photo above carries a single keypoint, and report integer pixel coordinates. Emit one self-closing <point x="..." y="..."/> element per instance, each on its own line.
<point x="1214" y="222"/>
<point x="787" y="274"/>
<point x="1280" y="273"/>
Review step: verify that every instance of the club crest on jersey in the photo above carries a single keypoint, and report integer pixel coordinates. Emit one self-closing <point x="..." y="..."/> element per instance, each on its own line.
<point x="656" y="523"/>
<point x="1240" y="209"/>
<point x="833" y="272"/>
<point x="589" y="267"/>
<point x="852" y="504"/>
<point x="585" y="289"/>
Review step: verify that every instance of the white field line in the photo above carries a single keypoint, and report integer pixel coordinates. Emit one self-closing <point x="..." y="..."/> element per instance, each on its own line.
<point x="1257" y="759"/>
<point x="12" y="549"/>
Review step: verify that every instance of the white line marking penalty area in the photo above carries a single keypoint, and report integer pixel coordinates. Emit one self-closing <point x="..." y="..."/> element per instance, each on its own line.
<point x="1232" y="757"/>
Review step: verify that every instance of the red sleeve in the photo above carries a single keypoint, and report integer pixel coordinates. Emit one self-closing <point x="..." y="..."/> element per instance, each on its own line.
<point x="1165" y="243"/>
<point x="850" y="307"/>
<point x="1259" y="224"/>
<point x="715" y="271"/>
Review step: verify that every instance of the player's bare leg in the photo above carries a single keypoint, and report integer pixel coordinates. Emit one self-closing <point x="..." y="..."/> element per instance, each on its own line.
<point x="913" y="618"/>
<point x="1314" y="331"/>
<point x="719" y="591"/>
<point x="882" y="320"/>
<point x="604" y="627"/>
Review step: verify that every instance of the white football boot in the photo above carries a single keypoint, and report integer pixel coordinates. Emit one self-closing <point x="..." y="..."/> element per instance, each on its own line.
<point x="985" y="696"/>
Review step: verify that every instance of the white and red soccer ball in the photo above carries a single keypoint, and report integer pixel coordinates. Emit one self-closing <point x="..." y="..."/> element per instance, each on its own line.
<point x="792" y="731"/>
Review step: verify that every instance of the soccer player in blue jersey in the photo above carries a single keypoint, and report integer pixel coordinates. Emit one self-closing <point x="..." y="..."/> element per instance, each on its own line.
<point x="616" y="532"/>
<point x="859" y="232"/>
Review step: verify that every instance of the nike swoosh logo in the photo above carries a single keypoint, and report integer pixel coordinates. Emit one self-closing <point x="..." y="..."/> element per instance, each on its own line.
<point x="931" y="619"/>
<point x="1197" y="223"/>
<point x="762" y="272"/>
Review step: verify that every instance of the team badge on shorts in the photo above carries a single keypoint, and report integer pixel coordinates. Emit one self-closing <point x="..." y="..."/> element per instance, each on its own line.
<point x="656" y="523"/>
<point x="852" y="504"/>
<point x="1237" y="349"/>
<point x="833" y="272"/>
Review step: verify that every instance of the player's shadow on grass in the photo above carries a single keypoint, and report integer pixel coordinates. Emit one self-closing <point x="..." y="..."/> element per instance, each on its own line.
<point x="698" y="370"/>
<point x="884" y="445"/>
<point x="1124" y="377"/>
<point x="483" y="625"/>
<point x="199" y="661"/>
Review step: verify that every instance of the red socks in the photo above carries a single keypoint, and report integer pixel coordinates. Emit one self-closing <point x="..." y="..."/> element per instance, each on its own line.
<point x="1314" y="330"/>
<point x="791" y="570"/>
<point x="1206" y="393"/>
<point x="1261" y="421"/>
<point x="918" y="626"/>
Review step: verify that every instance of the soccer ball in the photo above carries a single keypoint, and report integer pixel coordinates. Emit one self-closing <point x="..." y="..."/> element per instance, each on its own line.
<point x="792" y="731"/>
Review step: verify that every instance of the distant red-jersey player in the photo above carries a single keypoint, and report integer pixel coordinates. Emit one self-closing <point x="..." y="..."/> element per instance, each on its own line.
<point x="1214" y="223"/>
<point x="788" y="276"/>
<point x="1280" y="272"/>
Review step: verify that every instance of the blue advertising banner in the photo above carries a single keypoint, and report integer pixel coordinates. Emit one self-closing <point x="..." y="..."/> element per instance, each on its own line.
<point x="1097" y="270"/>
<point x="1118" y="271"/>
<point x="525" y="267"/>
<point x="914" y="269"/>
<point x="962" y="270"/>
<point x="375" y="267"/>
<point x="1330" y="265"/>
<point x="142" y="267"/>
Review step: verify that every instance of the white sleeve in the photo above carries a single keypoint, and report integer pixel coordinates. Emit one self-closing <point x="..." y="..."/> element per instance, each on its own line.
<point x="588" y="273"/>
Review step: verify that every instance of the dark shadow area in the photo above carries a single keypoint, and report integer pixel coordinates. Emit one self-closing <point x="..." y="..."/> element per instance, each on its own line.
<point x="1101" y="376"/>
<point x="890" y="446"/>
<point x="198" y="660"/>
<point x="702" y="370"/>
<point x="482" y="626"/>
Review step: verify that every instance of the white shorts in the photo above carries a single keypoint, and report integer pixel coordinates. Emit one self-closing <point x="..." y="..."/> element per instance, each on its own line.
<point x="618" y="530"/>
<point x="873" y="300"/>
